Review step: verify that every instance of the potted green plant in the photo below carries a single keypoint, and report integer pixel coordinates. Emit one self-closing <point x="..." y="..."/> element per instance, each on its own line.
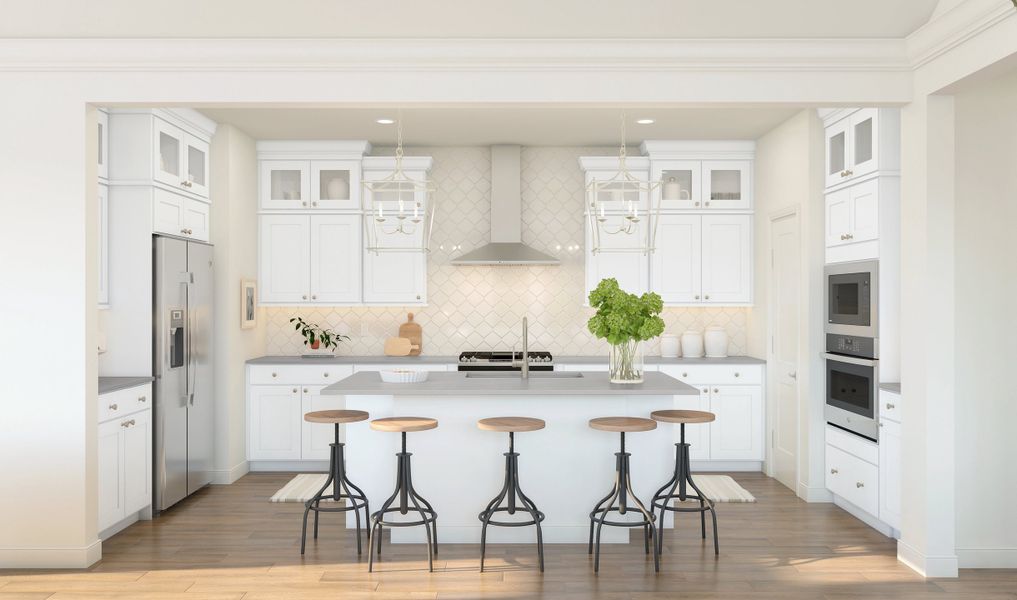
<point x="625" y="320"/>
<point x="316" y="336"/>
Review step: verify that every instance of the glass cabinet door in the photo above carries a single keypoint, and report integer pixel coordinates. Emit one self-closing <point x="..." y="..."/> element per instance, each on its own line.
<point x="197" y="166"/>
<point x="680" y="184"/>
<point x="335" y="184"/>
<point x="727" y="184"/>
<point x="169" y="154"/>
<point x="285" y="184"/>
<point x="103" y="136"/>
<point x="864" y="149"/>
<point x="837" y="147"/>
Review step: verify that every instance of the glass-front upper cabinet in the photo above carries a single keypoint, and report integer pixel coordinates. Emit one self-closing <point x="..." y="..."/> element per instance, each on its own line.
<point x="864" y="149"/>
<point x="102" y="133"/>
<point x="196" y="155"/>
<point x="181" y="159"/>
<point x="335" y="184"/>
<point x="285" y="184"/>
<point x="680" y="186"/>
<point x="837" y="152"/>
<point x="853" y="143"/>
<point x="727" y="184"/>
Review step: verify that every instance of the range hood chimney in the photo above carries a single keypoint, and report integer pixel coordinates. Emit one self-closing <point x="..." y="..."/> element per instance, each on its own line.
<point x="506" y="247"/>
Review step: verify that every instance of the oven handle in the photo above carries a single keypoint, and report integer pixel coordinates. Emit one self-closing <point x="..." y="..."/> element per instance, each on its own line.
<point x="864" y="362"/>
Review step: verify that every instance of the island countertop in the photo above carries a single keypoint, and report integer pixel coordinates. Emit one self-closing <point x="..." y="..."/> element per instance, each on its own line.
<point x="457" y="383"/>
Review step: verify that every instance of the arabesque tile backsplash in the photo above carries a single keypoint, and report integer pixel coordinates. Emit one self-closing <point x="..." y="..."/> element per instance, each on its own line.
<point x="481" y="308"/>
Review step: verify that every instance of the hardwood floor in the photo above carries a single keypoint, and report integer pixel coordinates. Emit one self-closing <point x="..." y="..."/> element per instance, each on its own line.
<point x="229" y="542"/>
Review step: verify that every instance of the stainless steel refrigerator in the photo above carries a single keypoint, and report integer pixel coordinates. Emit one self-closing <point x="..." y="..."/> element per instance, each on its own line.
<point x="182" y="437"/>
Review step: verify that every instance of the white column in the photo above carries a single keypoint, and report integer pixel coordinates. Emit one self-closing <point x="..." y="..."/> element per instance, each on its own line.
<point x="48" y="247"/>
<point x="928" y="526"/>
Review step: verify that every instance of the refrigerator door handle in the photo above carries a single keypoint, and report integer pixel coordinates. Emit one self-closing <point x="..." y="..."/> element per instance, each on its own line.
<point x="191" y="370"/>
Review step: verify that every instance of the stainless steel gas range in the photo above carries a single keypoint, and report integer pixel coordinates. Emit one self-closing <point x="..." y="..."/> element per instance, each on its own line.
<point x="504" y="360"/>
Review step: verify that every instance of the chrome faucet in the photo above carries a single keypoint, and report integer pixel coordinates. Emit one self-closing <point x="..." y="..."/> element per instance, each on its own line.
<point x="525" y="363"/>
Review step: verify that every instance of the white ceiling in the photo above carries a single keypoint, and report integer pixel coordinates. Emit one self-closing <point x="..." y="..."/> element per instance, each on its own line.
<point x="589" y="19"/>
<point x="481" y="126"/>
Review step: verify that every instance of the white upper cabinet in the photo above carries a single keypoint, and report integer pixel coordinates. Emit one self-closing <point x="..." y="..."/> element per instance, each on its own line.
<point x="860" y="142"/>
<point x="335" y="258"/>
<point x="285" y="259"/>
<point x="103" y="245"/>
<point x="311" y="175"/>
<point x="727" y="259"/>
<point x="285" y="184"/>
<point x="395" y="278"/>
<point x="102" y="135"/>
<point x="681" y="187"/>
<point x="631" y="269"/>
<point x="676" y="267"/>
<point x="614" y="196"/>
<point x="727" y="184"/>
<point x="335" y="184"/>
<point x="310" y="259"/>
<point x="179" y="215"/>
<point x="181" y="159"/>
<point x="852" y="214"/>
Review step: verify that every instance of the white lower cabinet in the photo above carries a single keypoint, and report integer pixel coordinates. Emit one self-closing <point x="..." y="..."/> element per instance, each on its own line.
<point x="853" y="479"/>
<point x="696" y="435"/>
<point x="889" y="473"/>
<point x="275" y="422"/>
<point x="124" y="457"/>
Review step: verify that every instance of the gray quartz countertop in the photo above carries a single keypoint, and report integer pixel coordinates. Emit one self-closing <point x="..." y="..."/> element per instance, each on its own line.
<point x="455" y="383"/>
<point x="890" y="387"/>
<point x="439" y="359"/>
<point x="112" y="384"/>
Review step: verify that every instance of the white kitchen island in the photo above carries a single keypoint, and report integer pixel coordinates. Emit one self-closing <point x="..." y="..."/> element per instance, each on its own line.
<point x="565" y="468"/>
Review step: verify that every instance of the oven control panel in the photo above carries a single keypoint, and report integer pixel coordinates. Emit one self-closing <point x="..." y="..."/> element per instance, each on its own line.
<point x="852" y="345"/>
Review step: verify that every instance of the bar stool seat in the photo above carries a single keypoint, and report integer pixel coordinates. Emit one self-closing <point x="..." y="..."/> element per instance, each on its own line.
<point x="623" y="424"/>
<point x="683" y="416"/>
<point x="404" y="499"/>
<point x="511" y="424"/>
<point x="404" y="424"/>
<point x="513" y="496"/>
<point x="336" y="416"/>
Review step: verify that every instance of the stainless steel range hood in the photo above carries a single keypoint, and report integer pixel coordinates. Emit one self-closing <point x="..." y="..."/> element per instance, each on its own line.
<point x="506" y="247"/>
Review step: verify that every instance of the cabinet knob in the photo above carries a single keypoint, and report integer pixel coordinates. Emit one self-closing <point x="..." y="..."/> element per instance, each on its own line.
<point x="697" y="204"/>
<point x="706" y="390"/>
<point x="274" y="374"/>
<point x="303" y="204"/>
<point x="294" y="390"/>
<point x="849" y="236"/>
<point x="850" y="172"/>
<point x="418" y="296"/>
<point x="834" y="471"/>
<point x="716" y="391"/>
<point x="890" y="406"/>
<point x="859" y="484"/>
<point x="880" y="423"/>
<point x="314" y="204"/>
<point x="697" y="297"/>
<point x="142" y="399"/>
<point x="183" y="231"/>
<point x="706" y="203"/>
<point x="304" y="296"/>
<point x="707" y="296"/>
<point x="305" y="390"/>
<point x="737" y="374"/>
<point x="113" y="407"/>
<point x="685" y="374"/>
<point x="326" y="374"/>
<point x="314" y="296"/>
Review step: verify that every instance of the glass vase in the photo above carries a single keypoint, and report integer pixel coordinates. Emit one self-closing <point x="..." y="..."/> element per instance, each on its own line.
<point x="627" y="362"/>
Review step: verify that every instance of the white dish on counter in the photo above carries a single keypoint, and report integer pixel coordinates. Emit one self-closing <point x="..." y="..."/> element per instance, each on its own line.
<point x="403" y="376"/>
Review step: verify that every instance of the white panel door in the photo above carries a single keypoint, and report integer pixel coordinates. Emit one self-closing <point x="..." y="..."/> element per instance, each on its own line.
<point x="737" y="434"/>
<point x="864" y="211"/>
<point x="103" y="245"/>
<point x="676" y="268"/>
<point x="838" y="217"/>
<point x="631" y="269"/>
<point x="275" y="422"/>
<point x="196" y="165"/>
<point x="727" y="259"/>
<point x="137" y="436"/>
<point x="285" y="258"/>
<point x="785" y="290"/>
<point x="335" y="258"/>
<point x="889" y="473"/>
<point x="196" y="220"/>
<point x="395" y="277"/>
<point x="316" y="437"/>
<point x="168" y="212"/>
<point x="727" y="184"/>
<point x="108" y="460"/>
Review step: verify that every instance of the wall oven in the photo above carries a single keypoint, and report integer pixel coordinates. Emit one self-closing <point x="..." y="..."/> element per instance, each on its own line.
<point x="852" y="293"/>
<point x="852" y="384"/>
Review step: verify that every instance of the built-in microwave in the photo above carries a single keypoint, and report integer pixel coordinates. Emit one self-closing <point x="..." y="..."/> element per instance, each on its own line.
<point x="852" y="293"/>
<point x="852" y="384"/>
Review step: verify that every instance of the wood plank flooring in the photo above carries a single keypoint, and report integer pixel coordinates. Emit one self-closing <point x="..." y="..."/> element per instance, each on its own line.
<point x="230" y="543"/>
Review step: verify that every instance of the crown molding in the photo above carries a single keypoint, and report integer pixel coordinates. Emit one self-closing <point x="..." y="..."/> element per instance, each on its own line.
<point x="954" y="27"/>
<point x="201" y="55"/>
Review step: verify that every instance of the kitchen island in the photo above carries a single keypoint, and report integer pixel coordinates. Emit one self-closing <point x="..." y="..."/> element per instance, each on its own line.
<point x="565" y="468"/>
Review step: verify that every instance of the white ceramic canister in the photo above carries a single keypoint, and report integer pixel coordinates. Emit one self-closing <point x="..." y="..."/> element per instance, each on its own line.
<point x="692" y="344"/>
<point x="338" y="189"/>
<point x="669" y="346"/>
<point x="715" y="340"/>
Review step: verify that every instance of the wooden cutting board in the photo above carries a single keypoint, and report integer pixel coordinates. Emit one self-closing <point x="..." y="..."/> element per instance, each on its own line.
<point x="412" y="331"/>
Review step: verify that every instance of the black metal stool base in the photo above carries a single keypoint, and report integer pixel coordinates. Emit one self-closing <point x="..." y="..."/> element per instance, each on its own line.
<point x="511" y="492"/>
<point x="341" y="486"/>
<point x="622" y="493"/>
<point x="406" y="494"/>
<point x="680" y="482"/>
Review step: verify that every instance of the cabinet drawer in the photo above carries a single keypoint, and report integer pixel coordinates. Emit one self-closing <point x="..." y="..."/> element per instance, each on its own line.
<point x="889" y="406"/>
<point x="124" y="402"/>
<point x="299" y="374"/>
<point x="853" y="479"/>
<point x="852" y="444"/>
<point x="716" y="374"/>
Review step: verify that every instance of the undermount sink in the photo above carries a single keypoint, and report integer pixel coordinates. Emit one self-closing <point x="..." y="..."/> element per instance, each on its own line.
<point x="516" y="375"/>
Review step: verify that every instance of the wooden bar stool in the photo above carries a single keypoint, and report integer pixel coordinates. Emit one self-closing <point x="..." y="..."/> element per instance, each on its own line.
<point x="336" y="476"/>
<point x="682" y="478"/>
<point x="404" y="491"/>
<point x="622" y="491"/>
<point x="510" y="491"/>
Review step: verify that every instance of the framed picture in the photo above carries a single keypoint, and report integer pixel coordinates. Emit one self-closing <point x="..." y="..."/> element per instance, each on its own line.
<point x="248" y="304"/>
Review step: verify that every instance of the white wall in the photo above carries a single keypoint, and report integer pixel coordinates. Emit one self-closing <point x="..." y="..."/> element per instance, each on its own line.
<point x="788" y="174"/>
<point x="986" y="324"/>
<point x="235" y="233"/>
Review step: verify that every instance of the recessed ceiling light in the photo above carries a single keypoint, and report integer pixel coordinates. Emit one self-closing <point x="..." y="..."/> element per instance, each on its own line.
<point x="645" y="121"/>
<point x="385" y="121"/>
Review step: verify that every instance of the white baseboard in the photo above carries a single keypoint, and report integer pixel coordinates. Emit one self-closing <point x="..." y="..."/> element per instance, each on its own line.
<point x="865" y="517"/>
<point x="714" y="466"/>
<point x="229" y="476"/>
<point x="289" y="466"/>
<point x="51" y="558"/>
<point x="987" y="558"/>
<point x="814" y="494"/>
<point x="926" y="566"/>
